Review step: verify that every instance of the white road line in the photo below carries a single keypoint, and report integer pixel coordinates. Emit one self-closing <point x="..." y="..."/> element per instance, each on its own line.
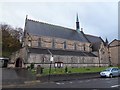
<point x="102" y="79"/>
<point x="87" y="80"/>
<point x="115" y="86"/>
<point x="94" y="79"/>
<point x="70" y="82"/>
<point x="107" y="79"/>
<point x="59" y="83"/>
<point x="80" y="81"/>
<point x="62" y="83"/>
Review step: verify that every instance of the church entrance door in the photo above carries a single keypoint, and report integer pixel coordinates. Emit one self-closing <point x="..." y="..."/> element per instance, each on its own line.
<point x="18" y="62"/>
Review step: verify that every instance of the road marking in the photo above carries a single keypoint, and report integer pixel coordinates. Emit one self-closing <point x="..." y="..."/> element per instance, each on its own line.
<point x="70" y="82"/>
<point x="94" y="89"/>
<point x="87" y="80"/>
<point x="107" y="79"/>
<point x="108" y="82"/>
<point x="80" y="81"/>
<point x="59" y="83"/>
<point x="94" y="79"/>
<point x="115" y="86"/>
<point x="102" y="79"/>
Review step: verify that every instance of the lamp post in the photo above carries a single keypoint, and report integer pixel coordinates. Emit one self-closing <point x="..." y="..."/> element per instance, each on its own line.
<point x="51" y="60"/>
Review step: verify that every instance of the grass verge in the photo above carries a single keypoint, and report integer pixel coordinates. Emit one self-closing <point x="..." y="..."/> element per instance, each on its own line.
<point x="71" y="70"/>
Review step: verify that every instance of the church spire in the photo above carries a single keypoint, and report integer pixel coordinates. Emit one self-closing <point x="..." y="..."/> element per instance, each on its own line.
<point x="106" y="41"/>
<point x="77" y="23"/>
<point x="77" y="20"/>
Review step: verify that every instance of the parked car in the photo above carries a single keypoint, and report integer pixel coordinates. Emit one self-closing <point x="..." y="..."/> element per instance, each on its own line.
<point x="3" y="62"/>
<point x="110" y="72"/>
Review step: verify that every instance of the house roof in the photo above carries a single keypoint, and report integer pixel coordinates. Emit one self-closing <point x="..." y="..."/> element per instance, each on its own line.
<point x="115" y="42"/>
<point x="95" y="40"/>
<point x="44" y="29"/>
<point x="60" y="52"/>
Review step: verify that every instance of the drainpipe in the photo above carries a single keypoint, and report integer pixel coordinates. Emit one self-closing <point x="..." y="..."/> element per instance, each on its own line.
<point x="109" y="56"/>
<point x="99" y="57"/>
<point x="49" y="52"/>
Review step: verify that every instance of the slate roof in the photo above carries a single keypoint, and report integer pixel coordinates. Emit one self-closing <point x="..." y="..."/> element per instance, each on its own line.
<point x="95" y="40"/>
<point x="115" y="42"/>
<point x="60" y="52"/>
<point x="44" y="29"/>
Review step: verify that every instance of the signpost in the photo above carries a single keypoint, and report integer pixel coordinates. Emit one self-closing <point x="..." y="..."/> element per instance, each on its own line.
<point x="51" y="60"/>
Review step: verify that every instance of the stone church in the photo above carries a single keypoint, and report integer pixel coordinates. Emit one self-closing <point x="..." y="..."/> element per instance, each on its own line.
<point x="66" y="47"/>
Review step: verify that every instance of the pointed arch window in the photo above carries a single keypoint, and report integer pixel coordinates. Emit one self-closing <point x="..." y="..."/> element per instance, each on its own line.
<point x="29" y="42"/>
<point x="75" y="46"/>
<point x="43" y="59"/>
<point x="53" y="43"/>
<point x="84" y="47"/>
<point x="65" y="45"/>
<point x="39" y="42"/>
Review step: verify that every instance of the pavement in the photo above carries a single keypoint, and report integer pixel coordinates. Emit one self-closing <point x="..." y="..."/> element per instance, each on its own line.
<point x="91" y="84"/>
<point x="22" y="77"/>
<point x="16" y="76"/>
<point x="67" y="77"/>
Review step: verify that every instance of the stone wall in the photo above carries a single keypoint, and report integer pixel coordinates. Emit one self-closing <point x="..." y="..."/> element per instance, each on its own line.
<point x="22" y="54"/>
<point x="58" y="43"/>
<point x="70" y="61"/>
<point x="70" y="45"/>
<point x="103" y="54"/>
<point x="114" y="50"/>
<point x="19" y="54"/>
<point x="46" y="42"/>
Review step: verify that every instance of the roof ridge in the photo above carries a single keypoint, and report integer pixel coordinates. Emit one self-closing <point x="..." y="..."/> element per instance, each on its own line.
<point x="92" y="35"/>
<point x="85" y="36"/>
<point x="114" y="40"/>
<point x="51" y="24"/>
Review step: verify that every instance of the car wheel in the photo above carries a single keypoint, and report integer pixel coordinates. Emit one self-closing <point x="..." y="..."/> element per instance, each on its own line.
<point x="119" y="75"/>
<point x="110" y="75"/>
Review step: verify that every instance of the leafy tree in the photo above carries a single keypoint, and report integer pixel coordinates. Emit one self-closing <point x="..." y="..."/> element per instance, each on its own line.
<point x="10" y="39"/>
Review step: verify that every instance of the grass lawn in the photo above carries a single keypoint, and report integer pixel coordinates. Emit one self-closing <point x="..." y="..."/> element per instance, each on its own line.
<point x="72" y="70"/>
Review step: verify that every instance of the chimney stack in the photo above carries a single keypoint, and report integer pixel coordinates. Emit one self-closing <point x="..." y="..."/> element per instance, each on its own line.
<point x="82" y="29"/>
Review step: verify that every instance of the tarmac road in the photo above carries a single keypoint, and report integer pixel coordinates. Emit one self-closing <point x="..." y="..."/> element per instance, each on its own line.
<point x="86" y="83"/>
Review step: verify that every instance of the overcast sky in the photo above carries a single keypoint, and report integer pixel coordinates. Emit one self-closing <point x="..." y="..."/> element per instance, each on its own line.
<point x="96" y="18"/>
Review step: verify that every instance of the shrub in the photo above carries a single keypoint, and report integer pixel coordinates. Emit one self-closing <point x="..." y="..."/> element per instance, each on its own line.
<point x="32" y="65"/>
<point x="66" y="69"/>
<point x="28" y="67"/>
<point x="69" y="71"/>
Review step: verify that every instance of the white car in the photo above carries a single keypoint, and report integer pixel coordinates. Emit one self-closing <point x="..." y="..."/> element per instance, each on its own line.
<point x="110" y="72"/>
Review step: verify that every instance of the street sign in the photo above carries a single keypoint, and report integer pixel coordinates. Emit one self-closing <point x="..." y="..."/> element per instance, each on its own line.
<point x="51" y="58"/>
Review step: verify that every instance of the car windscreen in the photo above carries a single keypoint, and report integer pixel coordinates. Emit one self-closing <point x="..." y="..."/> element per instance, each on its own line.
<point x="108" y="69"/>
